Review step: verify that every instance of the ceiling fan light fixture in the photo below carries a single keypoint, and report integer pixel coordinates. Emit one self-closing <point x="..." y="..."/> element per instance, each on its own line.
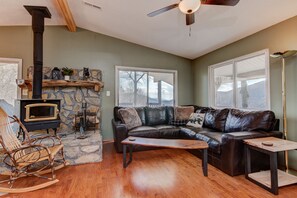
<point x="189" y="6"/>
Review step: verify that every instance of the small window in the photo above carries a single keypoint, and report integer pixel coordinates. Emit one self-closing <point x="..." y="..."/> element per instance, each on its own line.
<point x="241" y="83"/>
<point x="145" y="87"/>
<point x="10" y="70"/>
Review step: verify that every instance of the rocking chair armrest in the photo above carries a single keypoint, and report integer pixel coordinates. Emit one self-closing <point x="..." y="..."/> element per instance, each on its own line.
<point x="31" y="146"/>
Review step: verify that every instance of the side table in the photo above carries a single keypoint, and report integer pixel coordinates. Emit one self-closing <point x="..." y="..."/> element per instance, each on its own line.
<point x="272" y="179"/>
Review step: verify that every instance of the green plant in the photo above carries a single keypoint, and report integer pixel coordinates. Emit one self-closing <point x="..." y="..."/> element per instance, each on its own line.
<point x="67" y="71"/>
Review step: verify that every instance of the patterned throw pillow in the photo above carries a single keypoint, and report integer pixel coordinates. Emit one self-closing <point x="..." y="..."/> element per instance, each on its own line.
<point x="183" y="113"/>
<point x="130" y="117"/>
<point x="196" y="120"/>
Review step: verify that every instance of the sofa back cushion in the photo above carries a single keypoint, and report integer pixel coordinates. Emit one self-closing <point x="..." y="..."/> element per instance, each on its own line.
<point x="239" y="120"/>
<point x="216" y="119"/>
<point x="141" y="113"/>
<point x="169" y="114"/>
<point x="155" y="116"/>
<point x="116" y="115"/>
<point x="200" y="109"/>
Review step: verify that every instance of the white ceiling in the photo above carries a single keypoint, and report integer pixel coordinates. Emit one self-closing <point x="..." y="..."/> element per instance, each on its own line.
<point x="215" y="26"/>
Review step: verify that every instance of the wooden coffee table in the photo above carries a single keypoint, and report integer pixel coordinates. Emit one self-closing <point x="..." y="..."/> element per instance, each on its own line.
<point x="165" y="143"/>
<point x="273" y="179"/>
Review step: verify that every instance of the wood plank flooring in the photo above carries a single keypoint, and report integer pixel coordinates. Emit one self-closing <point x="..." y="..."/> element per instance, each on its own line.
<point x="156" y="173"/>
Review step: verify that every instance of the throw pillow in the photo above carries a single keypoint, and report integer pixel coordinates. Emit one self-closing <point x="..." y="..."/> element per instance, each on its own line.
<point x="130" y="117"/>
<point x="183" y="113"/>
<point x="196" y="120"/>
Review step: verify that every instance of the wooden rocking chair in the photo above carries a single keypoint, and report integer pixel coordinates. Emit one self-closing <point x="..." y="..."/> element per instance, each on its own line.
<point x="33" y="157"/>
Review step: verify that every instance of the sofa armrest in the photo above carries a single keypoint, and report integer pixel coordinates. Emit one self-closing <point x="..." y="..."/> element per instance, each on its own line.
<point x="251" y="134"/>
<point x="120" y="132"/>
<point x="232" y="149"/>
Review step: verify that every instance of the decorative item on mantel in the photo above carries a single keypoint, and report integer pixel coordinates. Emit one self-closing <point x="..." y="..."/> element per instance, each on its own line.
<point x="56" y="73"/>
<point x="86" y="73"/>
<point x="67" y="72"/>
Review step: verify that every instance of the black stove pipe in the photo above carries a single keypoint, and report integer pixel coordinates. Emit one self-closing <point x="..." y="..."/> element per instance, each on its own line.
<point x="38" y="14"/>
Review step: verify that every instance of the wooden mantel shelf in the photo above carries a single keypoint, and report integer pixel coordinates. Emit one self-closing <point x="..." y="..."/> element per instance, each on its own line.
<point x="63" y="83"/>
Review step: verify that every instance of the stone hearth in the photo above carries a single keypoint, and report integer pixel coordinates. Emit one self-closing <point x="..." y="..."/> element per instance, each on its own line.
<point x="81" y="151"/>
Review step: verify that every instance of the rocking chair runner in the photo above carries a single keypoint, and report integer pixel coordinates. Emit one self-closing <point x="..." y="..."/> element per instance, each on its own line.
<point x="33" y="157"/>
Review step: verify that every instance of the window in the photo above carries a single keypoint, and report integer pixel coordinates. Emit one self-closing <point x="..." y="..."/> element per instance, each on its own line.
<point x="241" y="83"/>
<point x="10" y="70"/>
<point x="145" y="87"/>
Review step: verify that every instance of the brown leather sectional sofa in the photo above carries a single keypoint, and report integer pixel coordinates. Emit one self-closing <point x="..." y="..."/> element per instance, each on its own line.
<point x="223" y="129"/>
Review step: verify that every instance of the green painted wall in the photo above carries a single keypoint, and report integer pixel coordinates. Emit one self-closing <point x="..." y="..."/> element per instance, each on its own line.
<point x="280" y="37"/>
<point x="88" y="49"/>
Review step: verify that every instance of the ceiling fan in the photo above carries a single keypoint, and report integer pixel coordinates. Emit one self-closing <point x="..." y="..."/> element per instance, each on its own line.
<point x="189" y="7"/>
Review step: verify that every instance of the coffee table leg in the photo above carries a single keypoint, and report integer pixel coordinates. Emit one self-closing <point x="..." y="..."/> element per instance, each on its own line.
<point x="130" y="151"/>
<point x="247" y="160"/>
<point x="273" y="172"/>
<point x="204" y="162"/>
<point x="124" y="155"/>
<point x="125" y="163"/>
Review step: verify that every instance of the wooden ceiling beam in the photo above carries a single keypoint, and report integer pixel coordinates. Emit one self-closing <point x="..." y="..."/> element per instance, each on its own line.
<point x="64" y="7"/>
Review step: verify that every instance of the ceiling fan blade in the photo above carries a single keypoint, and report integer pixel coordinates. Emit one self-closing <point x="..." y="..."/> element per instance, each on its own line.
<point x="220" y="2"/>
<point x="165" y="9"/>
<point x="190" y="19"/>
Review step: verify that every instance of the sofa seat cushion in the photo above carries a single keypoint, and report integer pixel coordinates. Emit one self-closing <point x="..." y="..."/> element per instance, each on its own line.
<point x="145" y="131"/>
<point x="159" y="131"/>
<point x="212" y="138"/>
<point x="238" y="120"/>
<point x="168" y="131"/>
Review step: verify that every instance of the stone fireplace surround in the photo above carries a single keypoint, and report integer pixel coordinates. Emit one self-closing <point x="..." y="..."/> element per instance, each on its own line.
<point x="72" y="97"/>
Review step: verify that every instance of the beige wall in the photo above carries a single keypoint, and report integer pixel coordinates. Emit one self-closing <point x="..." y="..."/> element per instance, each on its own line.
<point x="88" y="49"/>
<point x="280" y="37"/>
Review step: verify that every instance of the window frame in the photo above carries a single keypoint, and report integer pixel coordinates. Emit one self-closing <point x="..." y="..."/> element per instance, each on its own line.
<point x="143" y="69"/>
<point x="211" y="68"/>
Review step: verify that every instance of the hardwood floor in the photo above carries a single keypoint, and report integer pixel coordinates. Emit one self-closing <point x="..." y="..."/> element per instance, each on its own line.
<point x="156" y="173"/>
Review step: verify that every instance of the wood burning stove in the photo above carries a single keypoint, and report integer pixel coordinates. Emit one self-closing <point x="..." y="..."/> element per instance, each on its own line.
<point x="38" y="114"/>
